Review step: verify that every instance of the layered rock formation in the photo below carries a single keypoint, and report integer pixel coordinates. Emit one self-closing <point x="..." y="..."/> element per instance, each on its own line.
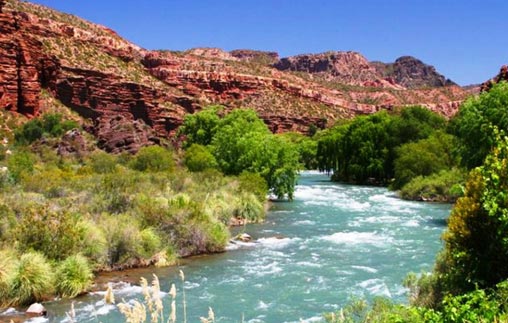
<point x="412" y="73"/>
<point x="135" y="96"/>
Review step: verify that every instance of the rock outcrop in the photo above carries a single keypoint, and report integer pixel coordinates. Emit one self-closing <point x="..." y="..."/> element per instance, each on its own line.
<point x="342" y="67"/>
<point x="257" y="56"/>
<point x="412" y="73"/>
<point x="135" y="97"/>
<point x="502" y="76"/>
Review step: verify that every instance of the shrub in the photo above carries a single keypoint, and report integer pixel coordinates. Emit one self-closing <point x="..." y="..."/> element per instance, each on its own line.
<point x="153" y="159"/>
<point x="53" y="233"/>
<point x="253" y="183"/>
<point x="50" y="125"/>
<point x="248" y="207"/>
<point x="123" y="237"/>
<point x="94" y="244"/>
<point x="19" y="164"/>
<point x="102" y="162"/>
<point x="445" y="186"/>
<point x="150" y="243"/>
<point x="73" y="276"/>
<point x="198" y="158"/>
<point x="32" y="279"/>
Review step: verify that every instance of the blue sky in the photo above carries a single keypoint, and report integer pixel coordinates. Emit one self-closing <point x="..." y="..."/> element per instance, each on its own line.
<point x="466" y="40"/>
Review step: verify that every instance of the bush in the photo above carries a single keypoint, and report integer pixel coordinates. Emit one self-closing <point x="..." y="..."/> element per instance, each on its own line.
<point x="94" y="244"/>
<point x="19" y="164"/>
<point x="248" y="207"/>
<point x="123" y="237"/>
<point x="102" y="162"/>
<point x="73" y="276"/>
<point x="198" y="158"/>
<point x="50" y="125"/>
<point x="445" y="186"/>
<point x="53" y="233"/>
<point x="253" y="183"/>
<point x="150" y="243"/>
<point x="32" y="280"/>
<point x="153" y="159"/>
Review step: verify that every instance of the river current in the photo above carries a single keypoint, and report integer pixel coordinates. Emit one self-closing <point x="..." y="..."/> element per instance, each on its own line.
<point x="331" y="244"/>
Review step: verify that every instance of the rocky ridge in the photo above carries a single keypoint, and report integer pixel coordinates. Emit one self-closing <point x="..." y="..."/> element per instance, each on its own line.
<point x="500" y="77"/>
<point x="95" y="72"/>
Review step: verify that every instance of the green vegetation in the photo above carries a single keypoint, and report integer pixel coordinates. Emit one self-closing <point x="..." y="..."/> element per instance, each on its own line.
<point x="469" y="282"/>
<point x="409" y="146"/>
<point x="475" y="123"/>
<point x="80" y="214"/>
<point x="241" y="142"/>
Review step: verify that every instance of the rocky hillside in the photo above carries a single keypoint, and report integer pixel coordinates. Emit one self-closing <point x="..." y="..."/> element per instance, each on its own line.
<point x="135" y="96"/>
<point x="412" y="73"/>
<point x="500" y="77"/>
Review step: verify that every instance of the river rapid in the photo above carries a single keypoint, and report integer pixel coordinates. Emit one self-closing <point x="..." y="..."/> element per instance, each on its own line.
<point x="333" y="243"/>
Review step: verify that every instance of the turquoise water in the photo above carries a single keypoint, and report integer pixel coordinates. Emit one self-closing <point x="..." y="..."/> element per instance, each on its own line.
<point x="332" y="243"/>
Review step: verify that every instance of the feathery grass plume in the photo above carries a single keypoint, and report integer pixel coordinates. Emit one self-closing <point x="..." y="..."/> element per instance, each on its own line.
<point x="182" y="277"/>
<point x="210" y="318"/>
<point x="71" y="315"/>
<point x="172" y="315"/>
<point x="74" y="276"/>
<point x="146" y="294"/>
<point x="159" y="308"/>
<point x="172" y="291"/>
<point x="133" y="314"/>
<point x="32" y="280"/>
<point x="109" y="297"/>
<point x="8" y="262"/>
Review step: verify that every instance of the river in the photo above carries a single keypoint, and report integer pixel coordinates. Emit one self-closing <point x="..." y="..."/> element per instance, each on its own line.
<point x="333" y="243"/>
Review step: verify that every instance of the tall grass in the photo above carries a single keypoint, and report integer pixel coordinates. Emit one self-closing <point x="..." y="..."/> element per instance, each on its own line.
<point x="32" y="280"/>
<point x="74" y="276"/>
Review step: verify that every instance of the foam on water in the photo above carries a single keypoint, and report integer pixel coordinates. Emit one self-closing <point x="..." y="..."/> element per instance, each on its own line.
<point x="358" y="238"/>
<point x="366" y="269"/>
<point x="376" y="287"/>
<point x="277" y="243"/>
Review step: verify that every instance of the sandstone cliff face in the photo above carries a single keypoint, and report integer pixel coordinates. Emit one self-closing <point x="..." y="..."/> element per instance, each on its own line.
<point x="343" y="67"/>
<point x="95" y="72"/>
<point x="20" y="57"/>
<point x="412" y="73"/>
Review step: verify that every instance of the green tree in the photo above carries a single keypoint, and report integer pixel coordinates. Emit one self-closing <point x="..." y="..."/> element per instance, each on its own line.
<point x="473" y="124"/>
<point x="199" y="128"/>
<point x="363" y="150"/>
<point x="423" y="158"/>
<point x="476" y="242"/>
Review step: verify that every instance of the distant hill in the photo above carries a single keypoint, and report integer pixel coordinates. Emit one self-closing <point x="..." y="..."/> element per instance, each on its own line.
<point x="117" y="84"/>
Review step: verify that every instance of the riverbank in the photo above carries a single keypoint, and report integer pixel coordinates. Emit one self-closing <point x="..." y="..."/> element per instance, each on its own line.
<point x="337" y="242"/>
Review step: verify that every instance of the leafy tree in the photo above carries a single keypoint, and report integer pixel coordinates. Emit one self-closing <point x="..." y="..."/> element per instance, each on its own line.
<point x="423" y="158"/>
<point x="476" y="243"/>
<point x="244" y="143"/>
<point x="473" y="124"/>
<point x="363" y="151"/>
<point x="199" y="128"/>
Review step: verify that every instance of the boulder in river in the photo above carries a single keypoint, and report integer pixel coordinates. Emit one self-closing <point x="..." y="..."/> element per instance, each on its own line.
<point x="244" y="237"/>
<point x="36" y="309"/>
